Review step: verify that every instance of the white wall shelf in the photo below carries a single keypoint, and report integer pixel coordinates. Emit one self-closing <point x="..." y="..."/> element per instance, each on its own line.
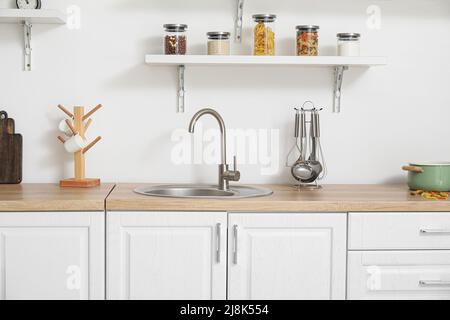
<point x="340" y="65"/>
<point x="33" y="16"/>
<point x="27" y="18"/>
<point x="321" y="61"/>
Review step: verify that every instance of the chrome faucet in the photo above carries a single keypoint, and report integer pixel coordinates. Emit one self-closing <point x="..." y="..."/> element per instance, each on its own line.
<point x="225" y="175"/>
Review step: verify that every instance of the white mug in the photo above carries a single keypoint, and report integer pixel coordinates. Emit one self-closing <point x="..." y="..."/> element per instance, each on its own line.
<point x="64" y="128"/>
<point x="75" y="144"/>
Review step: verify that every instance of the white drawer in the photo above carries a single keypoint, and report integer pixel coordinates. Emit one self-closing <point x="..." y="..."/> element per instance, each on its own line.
<point x="408" y="230"/>
<point x="398" y="275"/>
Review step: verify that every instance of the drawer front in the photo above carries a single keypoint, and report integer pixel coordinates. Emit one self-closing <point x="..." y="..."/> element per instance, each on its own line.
<point x="399" y="275"/>
<point x="408" y="230"/>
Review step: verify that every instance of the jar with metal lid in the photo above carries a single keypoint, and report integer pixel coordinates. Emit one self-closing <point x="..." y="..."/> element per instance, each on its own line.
<point x="264" y="34"/>
<point x="307" y="40"/>
<point x="175" y="40"/>
<point x="349" y="44"/>
<point x="218" y="43"/>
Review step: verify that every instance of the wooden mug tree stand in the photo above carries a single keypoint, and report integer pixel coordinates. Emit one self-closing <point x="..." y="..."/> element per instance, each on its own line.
<point x="81" y="122"/>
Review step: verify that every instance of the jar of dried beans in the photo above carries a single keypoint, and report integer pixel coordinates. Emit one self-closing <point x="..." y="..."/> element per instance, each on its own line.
<point x="308" y="40"/>
<point x="175" y="40"/>
<point x="264" y="35"/>
<point x="218" y="43"/>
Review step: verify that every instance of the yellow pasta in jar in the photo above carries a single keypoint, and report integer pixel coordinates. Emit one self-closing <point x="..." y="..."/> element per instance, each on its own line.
<point x="264" y="36"/>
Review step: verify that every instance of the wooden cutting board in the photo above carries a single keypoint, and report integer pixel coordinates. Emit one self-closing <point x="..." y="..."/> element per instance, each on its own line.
<point x="11" y="145"/>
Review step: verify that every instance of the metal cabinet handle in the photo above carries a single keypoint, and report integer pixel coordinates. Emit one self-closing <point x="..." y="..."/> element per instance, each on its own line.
<point x="434" y="283"/>
<point x="435" y="231"/>
<point x="218" y="240"/>
<point x="235" y="246"/>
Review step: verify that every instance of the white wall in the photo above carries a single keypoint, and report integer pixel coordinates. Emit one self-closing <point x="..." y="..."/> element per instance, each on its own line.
<point x="391" y="115"/>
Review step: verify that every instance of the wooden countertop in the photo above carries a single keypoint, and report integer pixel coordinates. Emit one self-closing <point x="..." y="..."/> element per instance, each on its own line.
<point x="332" y="198"/>
<point x="50" y="197"/>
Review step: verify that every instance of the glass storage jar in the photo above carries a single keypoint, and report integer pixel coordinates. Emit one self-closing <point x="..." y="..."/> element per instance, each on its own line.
<point x="308" y="40"/>
<point x="175" y="40"/>
<point x="264" y="35"/>
<point x="349" y="44"/>
<point x="218" y="43"/>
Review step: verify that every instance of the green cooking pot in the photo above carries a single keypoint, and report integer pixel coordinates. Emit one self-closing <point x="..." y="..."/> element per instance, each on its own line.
<point x="429" y="176"/>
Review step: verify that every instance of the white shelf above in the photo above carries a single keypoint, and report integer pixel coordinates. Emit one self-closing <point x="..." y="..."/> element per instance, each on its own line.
<point x="321" y="61"/>
<point x="38" y="16"/>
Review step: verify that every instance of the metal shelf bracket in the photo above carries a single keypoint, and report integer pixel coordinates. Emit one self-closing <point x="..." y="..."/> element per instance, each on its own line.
<point x="338" y="80"/>
<point x="27" y="26"/>
<point x="181" y="89"/>
<point x="239" y="21"/>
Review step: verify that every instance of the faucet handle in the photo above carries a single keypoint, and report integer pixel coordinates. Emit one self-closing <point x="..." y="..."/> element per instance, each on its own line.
<point x="234" y="175"/>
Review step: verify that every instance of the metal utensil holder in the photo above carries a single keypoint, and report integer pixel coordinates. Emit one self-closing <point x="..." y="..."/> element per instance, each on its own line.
<point x="308" y="146"/>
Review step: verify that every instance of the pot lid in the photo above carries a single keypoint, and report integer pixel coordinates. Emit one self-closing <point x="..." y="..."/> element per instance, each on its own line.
<point x="431" y="163"/>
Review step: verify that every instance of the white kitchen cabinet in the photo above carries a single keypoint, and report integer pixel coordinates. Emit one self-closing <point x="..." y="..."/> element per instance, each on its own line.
<point x="167" y="255"/>
<point x="399" y="255"/>
<point x="58" y="256"/>
<point x="399" y="275"/>
<point x="287" y="256"/>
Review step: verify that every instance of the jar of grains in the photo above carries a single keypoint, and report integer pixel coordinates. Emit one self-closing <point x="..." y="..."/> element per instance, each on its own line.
<point x="218" y="43"/>
<point x="308" y="40"/>
<point x="175" y="40"/>
<point x="264" y="35"/>
<point x="349" y="44"/>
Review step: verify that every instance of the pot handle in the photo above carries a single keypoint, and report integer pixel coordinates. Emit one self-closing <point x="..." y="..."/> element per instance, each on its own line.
<point x="413" y="169"/>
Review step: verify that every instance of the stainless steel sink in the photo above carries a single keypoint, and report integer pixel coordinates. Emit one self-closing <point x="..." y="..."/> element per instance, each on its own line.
<point x="203" y="192"/>
<point x="222" y="190"/>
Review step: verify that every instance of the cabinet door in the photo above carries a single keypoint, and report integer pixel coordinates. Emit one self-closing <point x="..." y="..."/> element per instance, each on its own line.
<point x="287" y="256"/>
<point x="58" y="256"/>
<point x="166" y="255"/>
<point x="399" y="275"/>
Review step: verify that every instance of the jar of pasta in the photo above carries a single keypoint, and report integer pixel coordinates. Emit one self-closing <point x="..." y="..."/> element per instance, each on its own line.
<point x="175" y="40"/>
<point x="264" y="35"/>
<point x="218" y="43"/>
<point x="308" y="40"/>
